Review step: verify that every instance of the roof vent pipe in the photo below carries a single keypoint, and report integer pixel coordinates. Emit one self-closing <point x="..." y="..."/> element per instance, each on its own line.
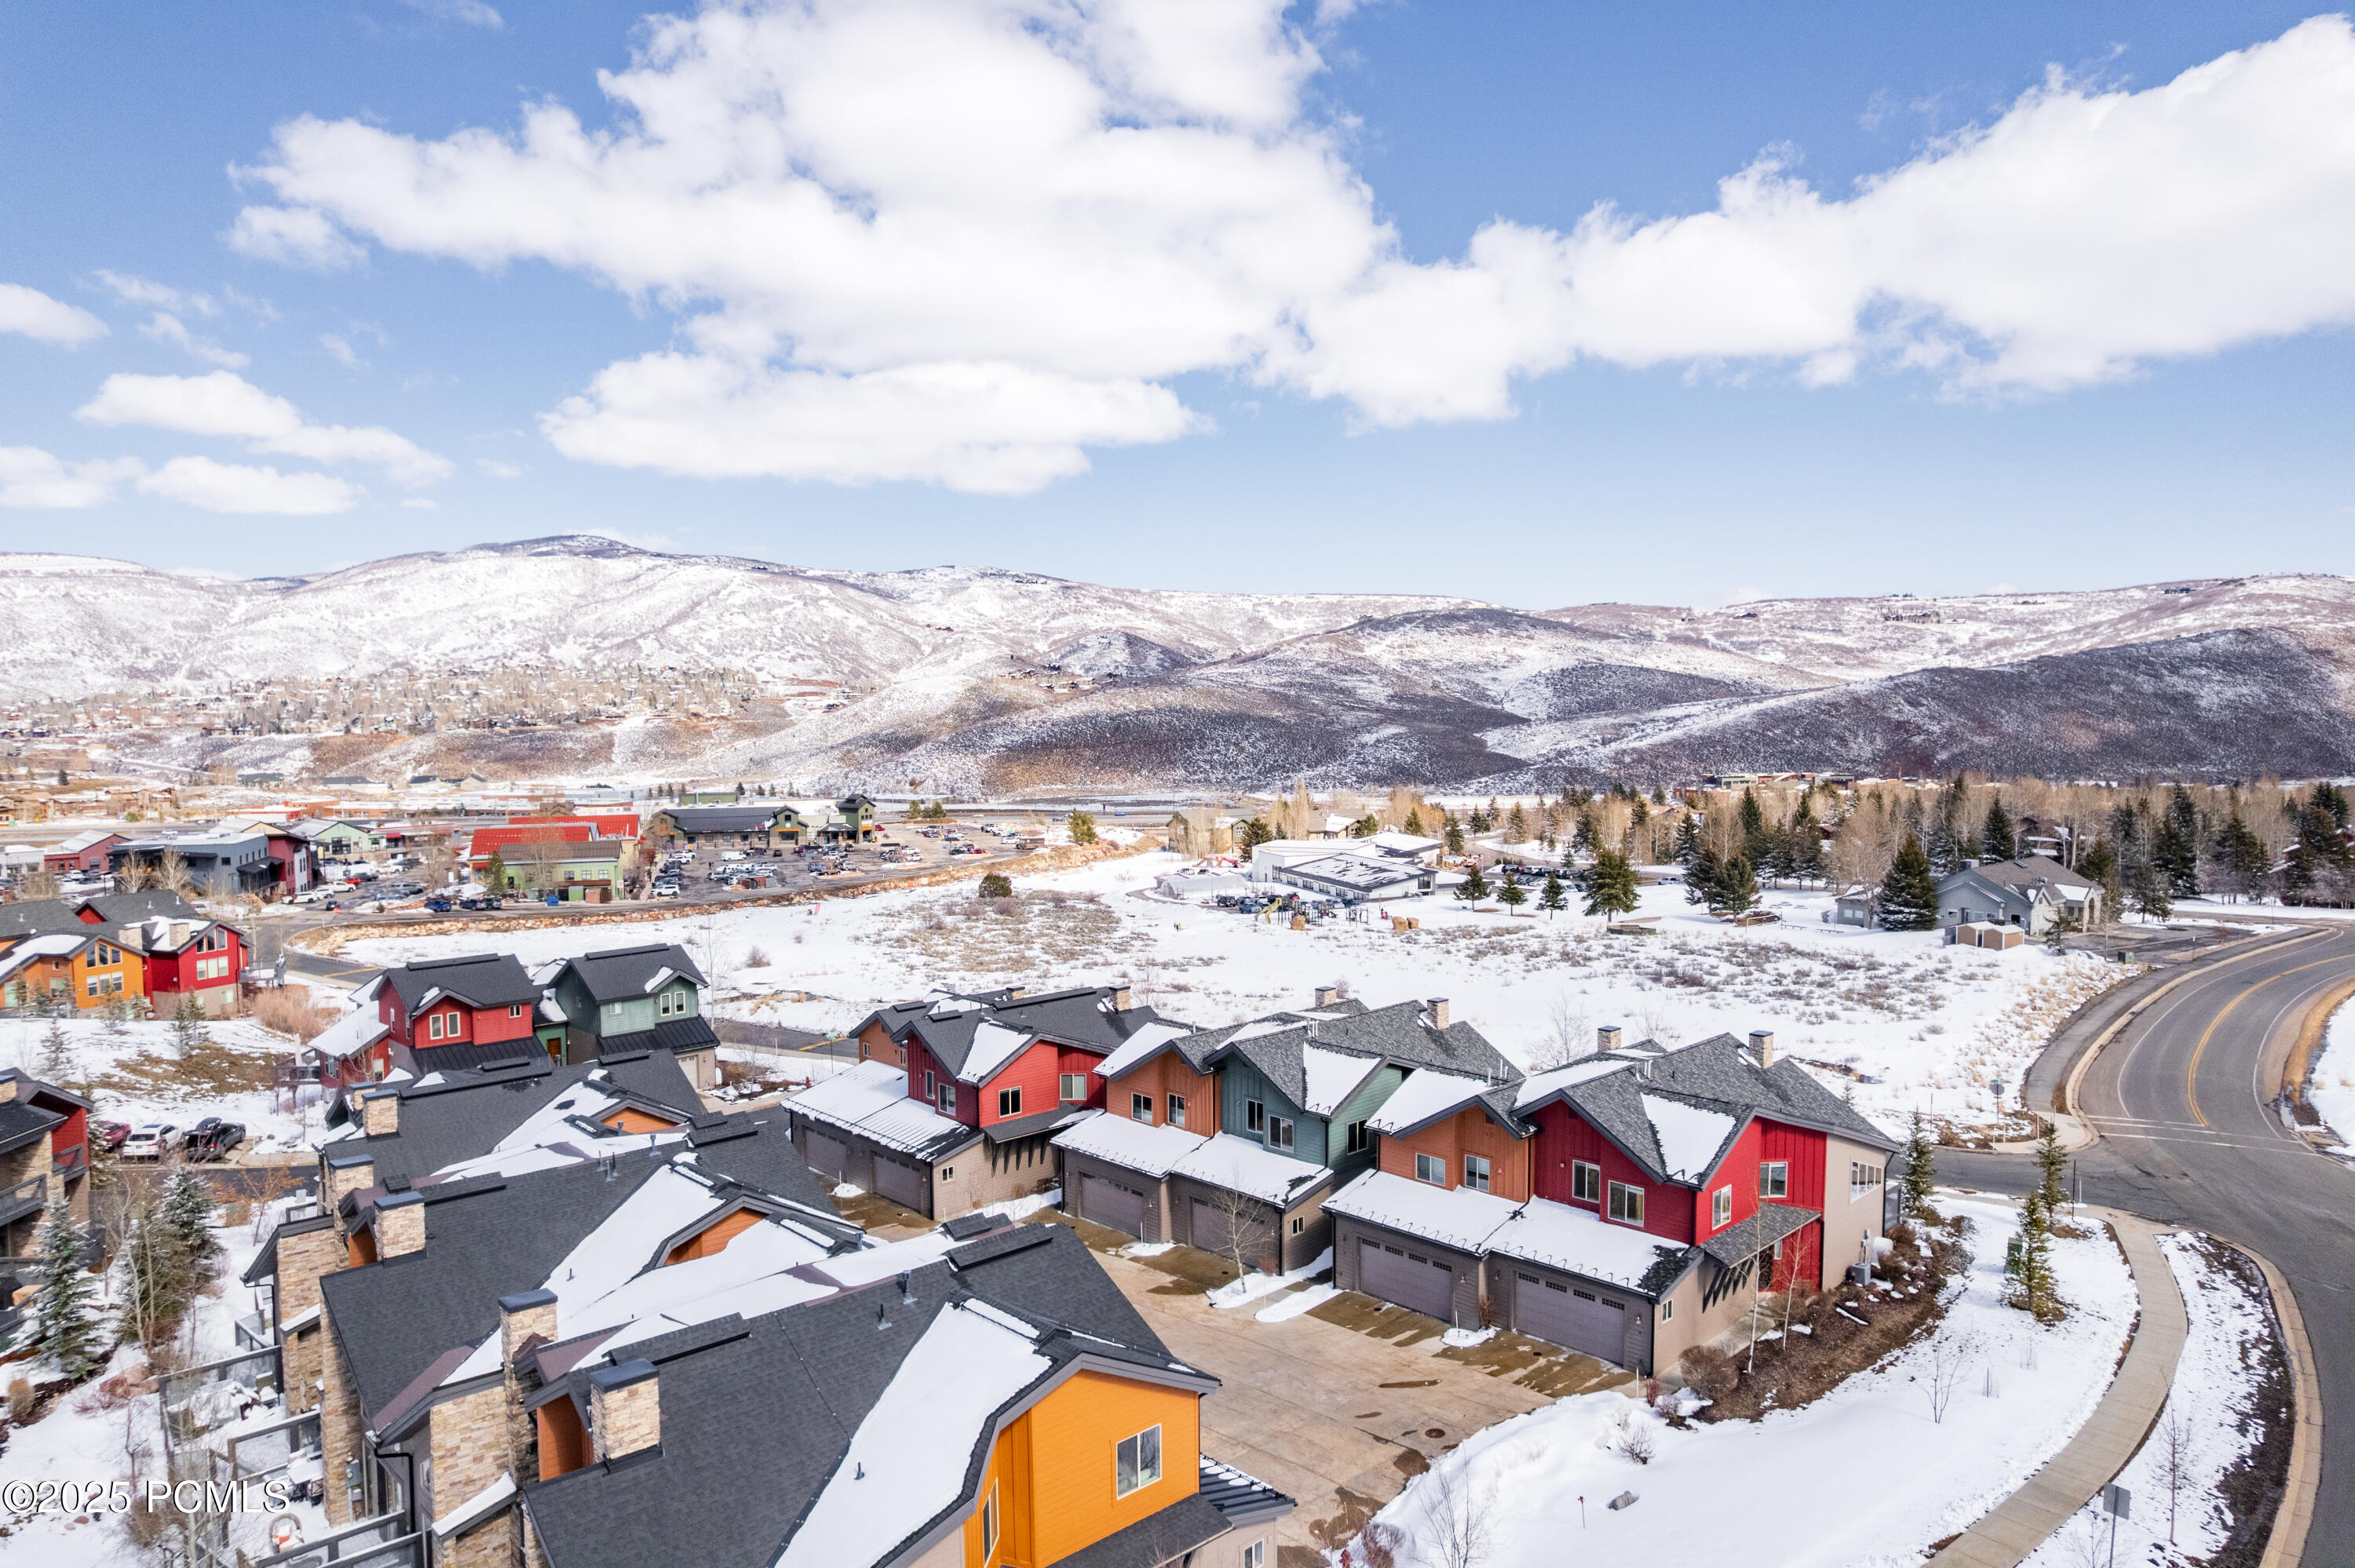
<point x="907" y="1290"/>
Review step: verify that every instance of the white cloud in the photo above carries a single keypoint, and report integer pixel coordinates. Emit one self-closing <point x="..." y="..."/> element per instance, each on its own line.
<point x="31" y="477"/>
<point x="222" y="404"/>
<point x="166" y="328"/>
<point x="957" y="243"/>
<point x="238" y="487"/>
<point x="292" y="236"/>
<point x="133" y="289"/>
<point x="420" y="504"/>
<point x="35" y="315"/>
<point x="498" y="469"/>
<point x="473" y="12"/>
<point x="342" y="350"/>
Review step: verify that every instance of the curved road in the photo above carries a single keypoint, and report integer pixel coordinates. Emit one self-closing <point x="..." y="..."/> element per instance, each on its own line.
<point x="2183" y="1098"/>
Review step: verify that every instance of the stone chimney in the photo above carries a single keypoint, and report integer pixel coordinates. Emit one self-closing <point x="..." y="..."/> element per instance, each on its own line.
<point x="380" y="1112"/>
<point x="1762" y="1045"/>
<point x="399" y="1224"/>
<point x="1120" y="998"/>
<point x="1326" y="995"/>
<point x="8" y="1085"/>
<point x="345" y="1174"/>
<point x="528" y="1316"/>
<point x="527" y="1320"/>
<point x="625" y="1410"/>
<point x="1439" y="1013"/>
<point x="1608" y="1037"/>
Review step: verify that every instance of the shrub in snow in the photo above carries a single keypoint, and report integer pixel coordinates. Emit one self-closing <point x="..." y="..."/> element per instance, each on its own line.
<point x="1707" y="1372"/>
<point x="996" y="885"/>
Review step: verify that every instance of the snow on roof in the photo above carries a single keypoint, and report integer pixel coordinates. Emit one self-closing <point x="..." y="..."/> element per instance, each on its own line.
<point x="1423" y="1096"/>
<point x="1258" y="1027"/>
<point x="1245" y="1165"/>
<point x="1140" y="1146"/>
<point x="1140" y="1046"/>
<point x="661" y="977"/>
<point x="1538" y="1086"/>
<point x="56" y="945"/>
<point x="950" y="1006"/>
<point x="1578" y="1241"/>
<point x="670" y="1201"/>
<point x="994" y="1046"/>
<point x="872" y="1098"/>
<point x="913" y="1447"/>
<point x="1331" y="1077"/>
<point x="548" y="1155"/>
<point x="680" y="1293"/>
<point x="554" y="1120"/>
<point x="1689" y="1136"/>
<point x="1458" y="1217"/>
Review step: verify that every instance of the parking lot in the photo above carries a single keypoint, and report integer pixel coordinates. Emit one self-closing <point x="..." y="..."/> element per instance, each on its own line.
<point x="900" y="847"/>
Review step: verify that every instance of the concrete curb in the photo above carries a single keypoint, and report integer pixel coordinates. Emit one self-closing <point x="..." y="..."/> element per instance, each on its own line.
<point x="2286" y="1545"/>
<point x="2068" y="1480"/>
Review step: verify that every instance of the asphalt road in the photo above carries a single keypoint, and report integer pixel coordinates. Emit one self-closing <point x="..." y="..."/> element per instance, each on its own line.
<point x="2183" y="1098"/>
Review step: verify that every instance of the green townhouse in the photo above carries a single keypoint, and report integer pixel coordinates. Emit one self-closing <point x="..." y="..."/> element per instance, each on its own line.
<point x="1230" y="1139"/>
<point x="624" y="1003"/>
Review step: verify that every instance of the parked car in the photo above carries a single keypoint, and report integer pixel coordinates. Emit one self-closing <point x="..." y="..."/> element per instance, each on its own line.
<point x="212" y="1138"/>
<point x="968" y="849"/>
<point x="667" y="890"/>
<point x="110" y="1134"/>
<point x="480" y="902"/>
<point x="148" y="1141"/>
<point x="439" y="905"/>
<point x="731" y="854"/>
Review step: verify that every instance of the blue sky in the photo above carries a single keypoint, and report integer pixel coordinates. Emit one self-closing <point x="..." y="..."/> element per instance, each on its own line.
<point x="1250" y="340"/>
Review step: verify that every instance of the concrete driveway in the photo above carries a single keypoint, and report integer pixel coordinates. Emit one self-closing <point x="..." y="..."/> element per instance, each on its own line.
<point x="1341" y="1405"/>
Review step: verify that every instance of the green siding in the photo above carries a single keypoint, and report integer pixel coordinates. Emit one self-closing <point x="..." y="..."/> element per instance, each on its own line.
<point x="1240" y="1081"/>
<point x="1359" y="1106"/>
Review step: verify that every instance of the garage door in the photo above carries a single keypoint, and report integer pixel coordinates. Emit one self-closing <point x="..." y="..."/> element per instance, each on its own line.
<point x="1110" y="1203"/>
<point x="822" y="1154"/>
<point x="903" y="1184"/>
<point x="1410" y="1279"/>
<point x="1570" y="1315"/>
<point x="1211" y="1232"/>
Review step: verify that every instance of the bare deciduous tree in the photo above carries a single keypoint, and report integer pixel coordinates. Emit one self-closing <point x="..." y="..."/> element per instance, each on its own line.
<point x="1235" y="1229"/>
<point x="1946" y="1358"/>
<point x="1462" y="1517"/>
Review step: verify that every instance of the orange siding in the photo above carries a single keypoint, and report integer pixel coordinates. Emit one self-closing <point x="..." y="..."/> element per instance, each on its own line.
<point x="629" y="1120"/>
<point x="875" y="1045"/>
<point x="712" y="1238"/>
<point x="563" y="1446"/>
<point x="1164" y="1075"/>
<point x="1466" y="1132"/>
<point x="1054" y="1467"/>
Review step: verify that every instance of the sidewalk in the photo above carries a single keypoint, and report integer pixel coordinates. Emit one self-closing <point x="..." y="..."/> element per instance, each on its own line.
<point x="2076" y="1475"/>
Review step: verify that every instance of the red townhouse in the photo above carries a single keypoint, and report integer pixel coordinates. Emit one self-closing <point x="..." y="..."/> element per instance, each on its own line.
<point x="453" y="1012"/>
<point x="1625" y="1206"/>
<point x="955" y="1096"/>
<point x="84" y="854"/>
<point x="192" y="959"/>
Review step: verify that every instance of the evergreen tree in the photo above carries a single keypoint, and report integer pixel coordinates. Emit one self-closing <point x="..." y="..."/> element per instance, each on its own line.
<point x="1610" y="887"/>
<point x="2052" y="1167"/>
<point x="1781" y="862"/>
<point x="1550" y="898"/>
<point x="1909" y="894"/>
<point x="2100" y="867"/>
<point x="2239" y="859"/>
<point x="1414" y="823"/>
<point x="156" y="1275"/>
<point x="1473" y="887"/>
<point x="995" y="885"/>
<point x="494" y="872"/>
<point x="56" y="1063"/>
<point x="1453" y="835"/>
<point x="1516" y="826"/>
<point x="187" y="1209"/>
<point x="1659" y="795"/>
<point x="2033" y="1261"/>
<point x="1512" y="895"/>
<point x="1365" y="827"/>
<point x="2331" y="799"/>
<point x="1921" y="1167"/>
<point x="2175" y="845"/>
<point x="187" y="1026"/>
<point x="2147" y="893"/>
<point x="1084" y="828"/>
<point x="65" y="1316"/>
<point x="1496" y="813"/>
<point x="1754" y="846"/>
<point x="1700" y="882"/>
<point x="1803" y="845"/>
<point x="1686" y="847"/>
<point x="1581" y="838"/>
<point x="1737" y="887"/>
<point x="1996" y="840"/>
<point x="1253" y="835"/>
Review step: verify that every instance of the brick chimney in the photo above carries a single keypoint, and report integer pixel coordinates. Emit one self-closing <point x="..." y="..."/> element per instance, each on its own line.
<point x="1439" y="1013"/>
<point x="1762" y="1045"/>
<point x="1326" y="995"/>
<point x="380" y="1112"/>
<point x="399" y="1224"/>
<point x="625" y="1410"/>
<point x="1608" y="1037"/>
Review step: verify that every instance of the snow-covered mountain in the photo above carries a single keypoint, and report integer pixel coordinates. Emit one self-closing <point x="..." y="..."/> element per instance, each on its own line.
<point x="2230" y="676"/>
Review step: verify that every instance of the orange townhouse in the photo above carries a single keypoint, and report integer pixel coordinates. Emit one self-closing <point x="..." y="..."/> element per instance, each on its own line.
<point x="86" y="969"/>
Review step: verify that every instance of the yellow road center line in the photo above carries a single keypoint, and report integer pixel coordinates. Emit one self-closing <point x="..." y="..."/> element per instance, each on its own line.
<point x="2192" y="1074"/>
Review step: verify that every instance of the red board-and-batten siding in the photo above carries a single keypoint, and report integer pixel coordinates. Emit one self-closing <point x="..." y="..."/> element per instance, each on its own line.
<point x="169" y="973"/>
<point x="486" y="1025"/>
<point x="1677" y="1213"/>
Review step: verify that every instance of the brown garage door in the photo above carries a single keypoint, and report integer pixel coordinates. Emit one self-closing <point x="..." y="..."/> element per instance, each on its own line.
<point x="1213" y="1231"/>
<point x="1411" y="1279"/>
<point x="822" y="1154"/>
<point x="1110" y="1203"/>
<point x="1570" y="1315"/>
<point x="903" y="1184"/>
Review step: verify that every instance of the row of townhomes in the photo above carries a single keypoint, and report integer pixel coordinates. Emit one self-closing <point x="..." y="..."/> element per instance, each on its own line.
<point x="98" y="951"/>
<point x="766" y="824"/>
<point x="553" y="1312"/>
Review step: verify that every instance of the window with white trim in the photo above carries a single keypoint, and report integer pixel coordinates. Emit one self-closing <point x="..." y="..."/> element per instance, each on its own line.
<point x="1177" y="1110"/>
<point x="674" y="1002"/>
<point x="1136" y="1462"/>
<point x="1279" y="1132"/>
<point x="946" y="1099"/>
<point x="1861" y="1179"/>
<point x="1356" y="1140"/>
<point x="434" y="1026"/>
<point x="1667" y="1310"/>
<point x="1585" y="1181"/>
<point x="1254" y="1117"/>
<point x="1255" y="1554"/>
<point x="1074" y="1087"/>
<point x="1721" y="1208"/>
<point x="515" y="1010"/>
<point x="1140" y="1107"/>
<point x="1009" y="1103"/>
<point x="1775" y="1179"/>
<point x="1626" y="1204"/>
<point x="989" y="1523"/>
<point x="1430" y="1168"/>
<point x="1476" y="1173"/>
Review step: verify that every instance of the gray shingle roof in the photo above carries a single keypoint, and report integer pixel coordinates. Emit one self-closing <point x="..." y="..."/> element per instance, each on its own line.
<point x="725" y="818"/>
<point x="468" y="1112"/>
<point x="33" y="916"/>
<point x="622" y="974"/>
<point x="482" y="979"/>
<point x="1402" y="1035"/>
<point x="945" y="1025"/>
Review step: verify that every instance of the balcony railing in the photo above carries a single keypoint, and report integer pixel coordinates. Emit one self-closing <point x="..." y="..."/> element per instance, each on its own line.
<point x="71" y="1160"/>
<point x="29" y="1196"/>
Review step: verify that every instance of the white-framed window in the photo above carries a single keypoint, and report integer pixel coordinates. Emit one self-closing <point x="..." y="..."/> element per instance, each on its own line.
<point x="946" y="1099"/>
<point x="948" y="1174"/>
<point x="1861" y="1179"/>
<point x="989" y="1523"/>
<point x="1430" y="1168"/>
<point x="1626" y="1204"/>
<point x="434" y="1026"/>
<point x="1140" y="1107"/>
<point x="1255" y="1554"/>
<point x="1254" y="1117"/>
<point x="1279" y="1132"/>
<point x="450" y="1026"/>
<point x="1667" y="1310"/>
<point x="1136" y="1462"/>
<point x="515" y="1010"/>
<point x="931" y="1086"/>
<point x="1775" y="1179"/>
<point x="1009" y="1103"/>
<point x="92" y="983"/>
<point x="672" y="1003"/>
<point x="1177" y="1110"/>
<point x="1356" y="1140"/>
<point x="1721" y="1208"/>
<point x="1585" y="1181"/>
<point x="1299" y="1224"/>
<point x="1476" y="1173"/>
<point x="1074" y="1086"/>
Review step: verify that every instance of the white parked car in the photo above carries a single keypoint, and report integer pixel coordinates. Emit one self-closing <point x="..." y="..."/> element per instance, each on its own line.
<point x="148" y="1141"/>
<point x="731" y="854"/>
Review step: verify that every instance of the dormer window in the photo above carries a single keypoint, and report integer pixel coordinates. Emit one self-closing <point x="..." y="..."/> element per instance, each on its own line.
<point x="673" y="1003"/>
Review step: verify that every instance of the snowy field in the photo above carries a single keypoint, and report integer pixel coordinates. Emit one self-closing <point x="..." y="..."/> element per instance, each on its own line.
<point x="1897" y="1019"/>
<point x="138" y="1074"/>
<point x="2330" y="1084"/>
<point x="1864" y="1476"/>
<point x="2207" y="1420"/>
